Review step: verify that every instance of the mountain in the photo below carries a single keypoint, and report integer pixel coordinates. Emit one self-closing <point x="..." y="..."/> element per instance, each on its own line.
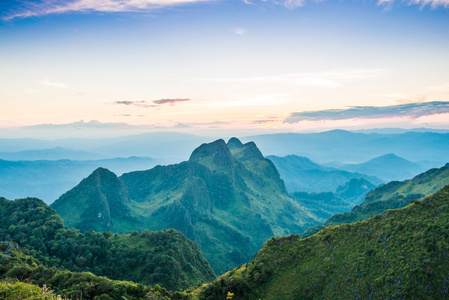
<point x="355" y="147"/>
<point x="227" y="198"/>
<point x="101" y="201"/>
<point x="388" y="167"/>
<point x="164" y="146"/>
<point x="355" y="190"/>
<point x="401" y="254"/>
<point x="165" y="257"/>
<point x="300" y="174"/>
<point x="393" y="195"/>
<point x="47" y="179"/>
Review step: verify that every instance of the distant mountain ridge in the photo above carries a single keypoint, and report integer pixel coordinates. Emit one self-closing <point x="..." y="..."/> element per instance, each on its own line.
<point x="47" y="180"/>
<point x="388" y="167"/>
<point x="300" y="174"/>
<point x="227" y="198"/>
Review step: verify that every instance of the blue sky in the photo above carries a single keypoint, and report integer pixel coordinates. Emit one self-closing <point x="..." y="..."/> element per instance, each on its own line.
<point x="237" y="66"/>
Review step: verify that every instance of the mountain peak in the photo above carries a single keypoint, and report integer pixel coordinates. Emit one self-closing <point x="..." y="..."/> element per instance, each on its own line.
<point x="216" y="152"/>
<point x="234" y="143"/>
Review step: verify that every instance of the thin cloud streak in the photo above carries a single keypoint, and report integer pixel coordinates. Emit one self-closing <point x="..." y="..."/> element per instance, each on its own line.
<point x="411" y="110"/>
<point x="330" y="79"/>
<point x="153" y="103"/>
<point x="50" y="83"/>
<point x="47" y="7"/>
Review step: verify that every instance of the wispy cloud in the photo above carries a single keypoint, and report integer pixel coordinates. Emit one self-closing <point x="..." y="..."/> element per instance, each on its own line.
<point x="239" y="31"/>
<point x="329" y="79"/>
<point x="170" y="101"/>
<point x="422" y="3"/>
<point x="153" y="103"/>
<point x="48" y="82"/>
<point x="28" y="9"/>
<point x="410" y="110"/>
<point x="135" y="103"/>
<point x="46" y="7"/>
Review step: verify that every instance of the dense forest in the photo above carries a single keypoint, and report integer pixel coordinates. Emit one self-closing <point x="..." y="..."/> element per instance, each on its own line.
<point x="166" y="257"/>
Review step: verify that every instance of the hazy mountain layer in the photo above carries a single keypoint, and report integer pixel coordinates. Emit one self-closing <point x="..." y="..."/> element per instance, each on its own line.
<point x="401" y="254"/>
<point x="227" y="198"/>
<point x="353" y="147"/>
<point x="395" y="194"/>
<point x="166" y="257"/>
<point x="47" y="180"/>
<point x="388" y="167"/>
<point x="300" y="174"/>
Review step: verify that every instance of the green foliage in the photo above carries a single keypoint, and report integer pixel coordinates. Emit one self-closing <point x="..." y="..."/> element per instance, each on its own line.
<point x="166" y="257"/>
<point x="395" y="194"/>
<point x="44" y="283"/>
<point x="19" y="290"/>
<point x="401" y="254"/>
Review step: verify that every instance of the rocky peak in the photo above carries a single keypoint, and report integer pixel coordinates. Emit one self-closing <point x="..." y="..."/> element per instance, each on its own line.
<point x="218" y="151"/>
<point x="234" y="143"/>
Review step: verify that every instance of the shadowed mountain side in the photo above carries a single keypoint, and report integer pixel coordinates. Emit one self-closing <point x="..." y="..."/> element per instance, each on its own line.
<point x="228" y="199"/>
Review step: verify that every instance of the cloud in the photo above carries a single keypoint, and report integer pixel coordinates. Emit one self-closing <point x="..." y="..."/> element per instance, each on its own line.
<point x="422" y="3"/>
<point x="46" y="7"/>
<point x="239" y="31"/>
<point x="170" y="101"/>
<point x="265" y="121"/>
<point x="135" y="103"/>
<point x="153" y="103"/>
<point x="410" y="110"/>
<point x="328" y="79"/>
<point x="48" y="82"/>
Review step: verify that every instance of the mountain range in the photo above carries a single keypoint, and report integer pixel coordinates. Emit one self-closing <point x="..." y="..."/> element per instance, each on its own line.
<point x="388" y="167"/>
<point x="227" y="198"/>
<point x="335" y="145"/>
<point x="49" y="179"/>
<point x="301" y="174"/>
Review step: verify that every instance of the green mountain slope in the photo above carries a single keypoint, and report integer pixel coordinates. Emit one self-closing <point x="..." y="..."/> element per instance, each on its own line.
<point x="227" y="198"/>
<point x="393" y="195"/>
<point x="303" y="175"/>
<point x="101" y="201"/>
<point x="166" y="257"/>
<point x="402" y="254"/>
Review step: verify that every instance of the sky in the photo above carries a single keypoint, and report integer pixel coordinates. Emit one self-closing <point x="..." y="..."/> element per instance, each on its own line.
<point x="220" y="67"/>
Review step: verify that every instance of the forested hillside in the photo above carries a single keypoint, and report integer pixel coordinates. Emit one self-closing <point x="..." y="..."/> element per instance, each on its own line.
<point x="166" y="257"/>
<point x="401" y="254"/>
